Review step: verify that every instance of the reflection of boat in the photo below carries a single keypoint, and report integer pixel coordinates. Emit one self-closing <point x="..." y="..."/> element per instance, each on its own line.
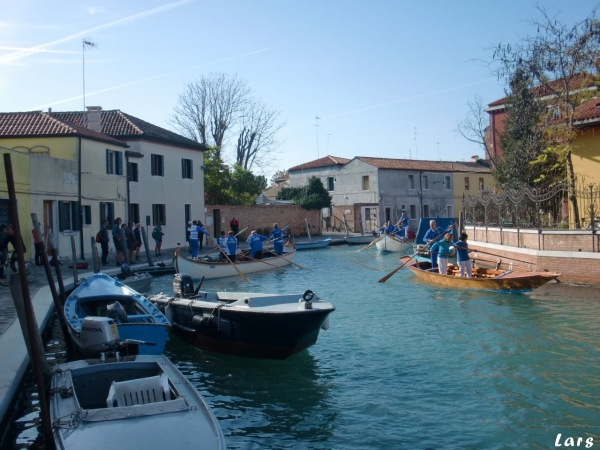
<point x="389" y="243"/>
<point x="143" y="402"/>
<point x="248" y="324"/>
<point x="311" y="244"/>
<point x="139" y="282"/>
<point x="317" y="243"/>
<point x="137" y="318"/>
<point x="483" y="278"/>
<point x="223" y="268"/>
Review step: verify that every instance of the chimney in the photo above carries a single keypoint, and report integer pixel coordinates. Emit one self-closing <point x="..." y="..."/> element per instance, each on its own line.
<point x="94" y="122"/>
<point x="50" y="111"/>
<point x="475" y="158"/>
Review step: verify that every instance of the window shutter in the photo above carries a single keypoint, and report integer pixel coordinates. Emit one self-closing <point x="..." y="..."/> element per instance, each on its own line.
<point x="191" y="169"/>
<point x="111" y="213"/>
<point x="119" y="162"/>
<point x="162" y="165"/>
<point x="63" y="216"/>
<point x="107" y="161"/>
<point x="76" y="212"/>
<point x="182" y="168"/>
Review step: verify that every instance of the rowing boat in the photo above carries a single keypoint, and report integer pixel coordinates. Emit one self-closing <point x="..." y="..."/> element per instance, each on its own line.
<point x="388" y="243"/>
<point x="223" y="268"/>
<point x="483" y="278"/>
<point x="312" y="244"/>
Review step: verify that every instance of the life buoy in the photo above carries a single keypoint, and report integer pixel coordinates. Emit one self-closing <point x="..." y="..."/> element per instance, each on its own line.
<point x="308" y="295"/>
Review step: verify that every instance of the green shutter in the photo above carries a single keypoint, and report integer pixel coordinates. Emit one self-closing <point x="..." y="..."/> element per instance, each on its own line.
<point x="107" y="161"/>
<point x="63" y="216"/>
<point x="119" y="162"/>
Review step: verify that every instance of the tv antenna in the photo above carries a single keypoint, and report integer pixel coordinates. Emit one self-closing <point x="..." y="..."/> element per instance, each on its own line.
<point x="86" y="44"/>
<point x="317" y="126"/>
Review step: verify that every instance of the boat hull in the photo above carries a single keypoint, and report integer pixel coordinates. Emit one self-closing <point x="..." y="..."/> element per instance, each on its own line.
<point x="309" y="245"/>
<point x="362" y="239"/>
<point x="213" y="269"/>
<point x="84" y="420"/>
<point x="281" y="327"/>
<point x="485" y="279"/>
<point x="389" y="243"/>
<point x="144" y="321"/>
<point x="139" y="282"/>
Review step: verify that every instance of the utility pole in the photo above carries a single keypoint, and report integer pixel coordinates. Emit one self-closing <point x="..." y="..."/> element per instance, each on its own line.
<point x="416" y="154"/>
<point x="90" y="45"/>
<point x="317" y="127"/>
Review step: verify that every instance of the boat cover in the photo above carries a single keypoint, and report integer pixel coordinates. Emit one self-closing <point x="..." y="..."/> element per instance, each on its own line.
<point x="442" y="224"/>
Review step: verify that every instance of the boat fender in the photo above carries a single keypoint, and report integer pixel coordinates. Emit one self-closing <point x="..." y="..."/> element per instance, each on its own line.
<point x="308" y="295"/>
<point x="169" y="313"/>
<point x="199" y="321"/>
<point x="325" y="325"/>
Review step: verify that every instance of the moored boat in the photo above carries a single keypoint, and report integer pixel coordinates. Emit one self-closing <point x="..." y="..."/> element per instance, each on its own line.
<point x="141" y="402"/>
<point x="312" y="244"/>
<point x="483" y="278"/>
<point x="139" y="282"/>
<point x="245" y="324"/>
<point x="136" y="318"/>
<point x="209" y="269"/>
<point x="360" y="239"/>
<point x="389" y="243"/>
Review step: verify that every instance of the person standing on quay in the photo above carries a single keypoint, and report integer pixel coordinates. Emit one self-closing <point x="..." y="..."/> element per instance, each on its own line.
<point x="137" y="231"/>
<point x="117" y="241"/>
<point x="131" y="242"/>
<point x="38" y="244"/>
<point x="157" y="235"/>
<point x="277" y="236"/>
<point x="104" y="240"/>
<point x="234" y="225"/>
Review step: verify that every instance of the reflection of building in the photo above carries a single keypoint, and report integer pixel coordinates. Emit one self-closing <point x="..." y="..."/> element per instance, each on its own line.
<point x="370" y="191"/>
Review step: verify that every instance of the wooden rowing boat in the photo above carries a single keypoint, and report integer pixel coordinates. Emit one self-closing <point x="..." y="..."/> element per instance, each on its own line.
<point x="388" y="243"/>
<point x="487" y="279"/>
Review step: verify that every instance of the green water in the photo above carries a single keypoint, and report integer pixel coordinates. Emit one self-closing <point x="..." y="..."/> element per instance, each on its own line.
<point x="409" y="366"/>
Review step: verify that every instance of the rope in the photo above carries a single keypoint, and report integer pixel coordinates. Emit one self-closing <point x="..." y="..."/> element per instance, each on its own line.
<point x="70" y="424"/>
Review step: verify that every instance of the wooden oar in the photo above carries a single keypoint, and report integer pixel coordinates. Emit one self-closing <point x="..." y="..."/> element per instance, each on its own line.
<point x="291" y="262"/>
<point x="374" y="241"/>
<point x="216" y="247"/>
<point x="269" y="264"/>
<point x="231" y="262"/>
<point x="389" y="275"/>
<point x="498" y="256"/>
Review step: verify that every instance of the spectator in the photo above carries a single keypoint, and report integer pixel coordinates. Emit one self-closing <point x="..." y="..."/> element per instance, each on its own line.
<point x="234" y="225"/>
<point x="137" y="231"/>
<point x="38" y="244"/>
<point x="104" y="240"/>
<point x="117" y="241"/>
<point x="157" y="235"/>
<point x="131" y="242"/>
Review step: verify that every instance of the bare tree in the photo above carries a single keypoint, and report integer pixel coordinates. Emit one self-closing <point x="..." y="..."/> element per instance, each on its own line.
<point x="210" y="106"/>
<point x="257" y="135"/>
<point x="475" y="125"/>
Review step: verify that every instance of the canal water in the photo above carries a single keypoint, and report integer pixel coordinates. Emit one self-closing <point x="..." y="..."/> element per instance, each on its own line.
<point x="409" y="366"/>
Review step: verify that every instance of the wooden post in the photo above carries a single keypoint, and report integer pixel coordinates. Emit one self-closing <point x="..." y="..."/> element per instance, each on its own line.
<point x="58" y="306"/>
<point x="74" y="266"/>
<point x="145" y="241"/>
<point x="36" y="360"/>
<point x="95" y="262"/>
<point x="61" y="284"/>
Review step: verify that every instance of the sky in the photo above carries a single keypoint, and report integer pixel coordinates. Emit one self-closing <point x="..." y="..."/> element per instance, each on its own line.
<point x="387" y="78"/>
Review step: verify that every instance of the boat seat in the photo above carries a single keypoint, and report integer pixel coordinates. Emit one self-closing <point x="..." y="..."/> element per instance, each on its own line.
<point x="139" y="392"/>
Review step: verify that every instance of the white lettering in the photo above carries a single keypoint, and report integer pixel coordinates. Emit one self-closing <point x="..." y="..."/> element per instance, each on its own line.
<point x="557" y="442"/>
<point x="569" y="442"/>
<point x="589" y="442"/>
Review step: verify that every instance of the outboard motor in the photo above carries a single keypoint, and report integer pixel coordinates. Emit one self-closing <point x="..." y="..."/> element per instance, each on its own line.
<point x="116" y="312"/>
<point x="183" y="285"/>
<point x="126" y="270"/>
<point x="98" y="333"/>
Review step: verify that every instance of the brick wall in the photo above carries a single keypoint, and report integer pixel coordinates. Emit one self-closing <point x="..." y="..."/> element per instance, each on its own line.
<point x="264" y="216"/>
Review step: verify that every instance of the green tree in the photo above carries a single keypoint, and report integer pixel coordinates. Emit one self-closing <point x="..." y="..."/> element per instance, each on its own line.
<point x="245" y="186"/>
<point x="312" y="196"/>
<point x="522" y="140"/>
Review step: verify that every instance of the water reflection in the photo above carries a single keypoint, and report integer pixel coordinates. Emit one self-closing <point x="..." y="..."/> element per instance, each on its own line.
<point x="283" y="401"/>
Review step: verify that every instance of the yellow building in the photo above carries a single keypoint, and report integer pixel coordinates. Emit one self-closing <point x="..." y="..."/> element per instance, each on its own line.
<point x="586" y="147"/>
<point x="70" y="176"/>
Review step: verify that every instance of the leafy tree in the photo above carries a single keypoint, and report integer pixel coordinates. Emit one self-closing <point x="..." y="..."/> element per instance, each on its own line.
<point x="245" y="186"/>
<point x="312" y="196"/>
<point x="522" y="140"/>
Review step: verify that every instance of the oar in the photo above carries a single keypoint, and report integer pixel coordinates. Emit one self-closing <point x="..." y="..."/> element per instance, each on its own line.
<point x="389" y="275"/>
<point x="374" y="241"/>
<point x="232" y="263"/>
<point x="271" y="239"/>
<point x="240" y="232"/>
<point x="260" y="260"/>
<point x="291" y="262"/>
<point x="498" y="256"/>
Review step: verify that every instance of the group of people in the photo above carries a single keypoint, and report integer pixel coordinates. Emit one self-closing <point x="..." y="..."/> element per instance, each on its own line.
<point x="440" y="249"/>
<point x="228" y="243"/>
<point x="399" y="229"/>
<point x="130" y="243"/>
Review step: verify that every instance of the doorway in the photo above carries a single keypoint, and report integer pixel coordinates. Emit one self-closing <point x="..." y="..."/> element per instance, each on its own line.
<point x="217" y="224"/>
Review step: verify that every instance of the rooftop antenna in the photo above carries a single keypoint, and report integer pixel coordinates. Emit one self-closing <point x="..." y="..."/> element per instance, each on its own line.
<point x="328" y="143"/>
<point x="85" y="45"/>
<point x="416" y="155"/>
<point x="317" y="126"/>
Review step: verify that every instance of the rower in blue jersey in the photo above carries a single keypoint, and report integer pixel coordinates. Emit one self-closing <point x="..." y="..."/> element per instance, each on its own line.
<point x="277" y="236"/>
<point x="430" y="237"/>
<point x="255" y="242"/>
<point x="231" y="243"/>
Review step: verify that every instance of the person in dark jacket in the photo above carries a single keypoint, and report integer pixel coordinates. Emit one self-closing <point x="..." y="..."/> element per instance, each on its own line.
<point x="131" y="242"/>
<point x="138" y="240"/>
<point x="104" y="240"/>
<point x="119" y="245"/>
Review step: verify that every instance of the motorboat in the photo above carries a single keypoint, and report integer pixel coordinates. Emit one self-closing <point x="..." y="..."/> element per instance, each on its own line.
<point x="272" y="326"/>
<point x="136" y="318"/>
<point x="139" y="282"/>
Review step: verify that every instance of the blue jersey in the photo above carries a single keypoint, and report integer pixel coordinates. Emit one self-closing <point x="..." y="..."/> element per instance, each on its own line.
<point x="231" y="245"/>
<point x="404" y="221"/>
<point x="462" y="251"/>
<point x="276" y="234"/>
<point x="255" y="242"/>
<point x="432" y="234"/>
<point x="442" y="248"/>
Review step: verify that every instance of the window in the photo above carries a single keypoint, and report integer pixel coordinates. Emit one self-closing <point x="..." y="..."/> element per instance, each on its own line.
<point x="114" y="162"/>
<point x="132" y="171"/>
<point x="134" y="213"/>
<point x="86" y="210"/>
<point x="107" y="212"/>
<point x="158" y="214"/>
<point x="330" y="184"/>
<point x="68" y="216"/>
<point x="365" y="183"/>
<point x="425" y="182"/>
<point x="186" y="169"/>
<point x="481" y="188"/>
<point x="448" y="183"/>
<point x="158" y="166"/>
<point x="411" y="181"/>
<point x="425" y="210"/>
<point x="413" y="211"/>
<point x="449" y="210"/>
<point x="466" y="183"/>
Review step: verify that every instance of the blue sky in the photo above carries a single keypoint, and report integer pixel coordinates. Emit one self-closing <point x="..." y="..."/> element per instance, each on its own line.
<point x="388" y="78"/>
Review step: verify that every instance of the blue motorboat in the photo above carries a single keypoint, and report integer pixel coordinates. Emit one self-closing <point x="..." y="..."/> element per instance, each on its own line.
<point x="317" y="243"/>
<point x="137" y="320"/>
